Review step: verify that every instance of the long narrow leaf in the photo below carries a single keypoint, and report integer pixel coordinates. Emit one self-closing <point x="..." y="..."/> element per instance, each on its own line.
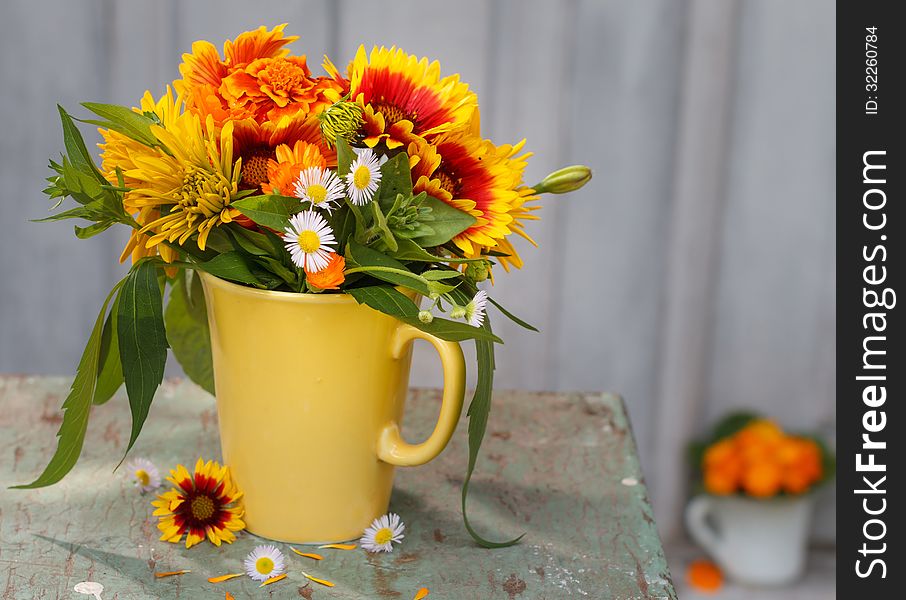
<point x="76" y="408"/>
<point x="188" y="333"/>
<point x="110" y="369"/>
<point x="142" y="340"/>
<point x="513" y="317"/>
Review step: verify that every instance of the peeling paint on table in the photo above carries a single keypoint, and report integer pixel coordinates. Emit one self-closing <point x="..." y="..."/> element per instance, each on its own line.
<point x="560" y="467"/>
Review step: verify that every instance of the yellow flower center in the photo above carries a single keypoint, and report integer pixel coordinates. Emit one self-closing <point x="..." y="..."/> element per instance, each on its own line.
<point x="317" y="193"/>
<point x="142" y="476"/>
<point x="383" y="536"/>
<point x="264" y="565"/>
<point x="362" y="177"/>
<point x="202" y="508"/>
<point x="309" y="241"/>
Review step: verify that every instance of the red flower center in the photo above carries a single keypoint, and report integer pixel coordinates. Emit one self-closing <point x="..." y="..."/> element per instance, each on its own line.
<point x="202" y="508"/>
<point x="393" y="113"/>
<point x="254" y="167"/>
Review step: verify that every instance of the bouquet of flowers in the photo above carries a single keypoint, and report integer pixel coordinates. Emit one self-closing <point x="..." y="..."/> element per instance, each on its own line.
<point x="753" y="456"/>
<point x="255" y="171"/>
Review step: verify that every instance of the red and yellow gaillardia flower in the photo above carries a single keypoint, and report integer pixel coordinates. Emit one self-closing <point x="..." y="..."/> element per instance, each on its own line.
<point x="479" y="178"/>
<point x="403" y="97"/>
<point x="204" y="504"/>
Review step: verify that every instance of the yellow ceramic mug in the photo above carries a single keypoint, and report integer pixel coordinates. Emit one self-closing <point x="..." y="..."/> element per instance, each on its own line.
<point x="310" y="394"/>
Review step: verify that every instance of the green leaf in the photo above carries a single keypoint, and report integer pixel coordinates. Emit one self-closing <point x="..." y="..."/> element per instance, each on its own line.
<point x="124" y="120"/>
<point x="512" y="317"/>
<point x="75" y="147"/>
<point x="110" y="369"/>
<point x="249" y="241"/>
<point x="381" y="223"/>
<point x="92" y="230"/>
<point x="345" y="157"/>
<point x="361" y="258"/>
<point x="188" y="332"/>
<point x="447" y="222"/>
<point x="391" y="301"/>
<point x="76" y="408"/>
<point x="280" y="270"/>
<point x="396" y="178"/>
<point x="231" y="266"/>
<point x="269" y="210"/>
<point x="409" y="250"/>
<point x="142" y="340"/>
<point x="478" y="412"/>
<point x="440" y="274"/>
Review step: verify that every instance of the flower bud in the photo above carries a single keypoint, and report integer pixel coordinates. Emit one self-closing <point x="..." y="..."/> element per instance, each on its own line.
<point x="425" y="316"/>
<point x="567" y="179"/>
<point x="478" y="271"/>
<point x="458" y="312"/>
<point x="341" y="119"/>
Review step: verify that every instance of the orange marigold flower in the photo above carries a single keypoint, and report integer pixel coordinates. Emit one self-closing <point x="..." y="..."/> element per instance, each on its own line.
<point x="203" y="70"/>
<point x="271" y="88"/>
<point x="330" y="277"/>
<point x="762" y="480"/>
<point x="720" y="482"/>
<point x="404" y="97"/>
<point x="704" y="576"/>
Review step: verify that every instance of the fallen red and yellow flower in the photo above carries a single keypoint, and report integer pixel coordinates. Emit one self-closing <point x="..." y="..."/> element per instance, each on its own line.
<point x="204" y="504"/>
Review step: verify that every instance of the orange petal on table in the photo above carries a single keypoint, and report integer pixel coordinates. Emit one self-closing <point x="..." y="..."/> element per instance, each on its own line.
<point x="171" y="573"/>
<point x="422" y="593"/>
<point x="705" y="576"/>
<point x="316" y="580"/>
<point x="229" y="596"/>
<point x="273" y="580"/>
<point x="224" y="577"/>
<point x="339" y="546"/>
<point x="307" y="554"/>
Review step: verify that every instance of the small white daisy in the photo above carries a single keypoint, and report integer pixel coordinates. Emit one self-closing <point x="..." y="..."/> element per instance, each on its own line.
<point x="475" y="309"/>
<point x="364" y="177"/>
<point x="309" y="241"/>
<point x="382" y="533"/>
<point x="264" y="562"/>
<point x="319" y="186"/>
<point x="143" y="474"/>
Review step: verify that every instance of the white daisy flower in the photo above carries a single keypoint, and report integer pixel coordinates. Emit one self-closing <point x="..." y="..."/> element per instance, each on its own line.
<point x="382" y="533"/>
<point x="475" y="309"/>
<point x="143" y="474"/>
<point x="364" y="177"/>
<point x="264" y="562"/>
<point x="319" y="186"/>
<point x="309" y="241"/>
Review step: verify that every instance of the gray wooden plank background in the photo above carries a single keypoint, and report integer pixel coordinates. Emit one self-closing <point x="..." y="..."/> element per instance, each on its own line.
<point x="694" y="274"/>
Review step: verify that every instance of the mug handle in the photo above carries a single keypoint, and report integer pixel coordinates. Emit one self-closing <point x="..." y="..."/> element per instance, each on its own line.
<point x="697" y="521"/>
<point x="392" y="448"/>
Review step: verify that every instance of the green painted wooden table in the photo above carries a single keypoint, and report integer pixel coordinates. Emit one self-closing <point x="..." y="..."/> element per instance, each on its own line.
<point x="560" y="467"/>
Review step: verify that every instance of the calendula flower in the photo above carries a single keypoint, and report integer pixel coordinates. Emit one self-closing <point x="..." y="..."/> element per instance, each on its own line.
<point x="203" y="504"/>
<point x="319" y="186"/>
<point x="264" y="562"/>
<point x="309" y="240"/>
<point x="475" y="309"/>
<point x="144" y="474"/>
<point x="283" y="172"/>
<point x="330" y="277"/>
<point x="385" y="530"/>
<point x="364" y="177"/>
<point x="404" y="97"/>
